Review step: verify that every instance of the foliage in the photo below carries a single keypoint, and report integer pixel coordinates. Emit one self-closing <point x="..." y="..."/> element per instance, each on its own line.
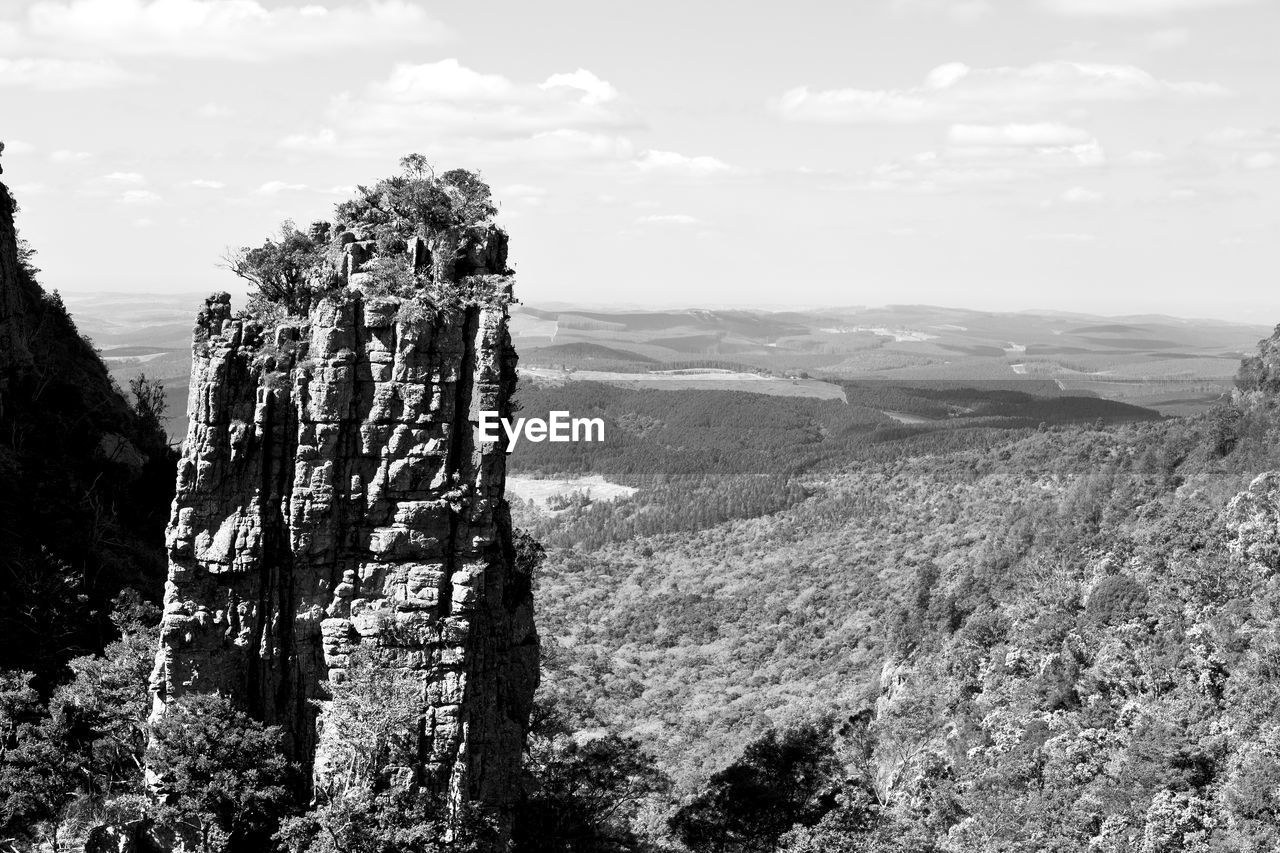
<point x="226" y="777"/>
<point x="285" y="270"/>
<point x="148" y="401"/>
<point x="396" y="820"/>
<point x="372" y="723"/>
<point x="585" y="791"/>
<point x="781" y="780"/>
<point x="36" y="776"/>
<point x="295" y="268"/>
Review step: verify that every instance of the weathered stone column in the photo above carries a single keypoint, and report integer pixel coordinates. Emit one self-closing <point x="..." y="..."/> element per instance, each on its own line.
<point x="331" y="492"/>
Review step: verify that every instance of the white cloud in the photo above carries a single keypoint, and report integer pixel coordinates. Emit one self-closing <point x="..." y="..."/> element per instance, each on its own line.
<point x="223" y="29"/>
<point x="1133" y="8"/>
<point x="124" y="178"/>
<point x="1029" y="145"/>
<point x="1245" y="138"/>
<point x="931" y="172"/>
<point x="277" y="187"/>
<point x="672" y="162"/>
<point x="960" y="10"/>
<point x="593" y="88"/>
<point x="524" y="194"/>
<point x="568" y="118"/>
<point x="1065" y="237"/>
<point x="204" y="184"/>
<point x="958" y="92"/>
<point x="572" y="118"/>
<point x="456" y="104"/>
<point x="34" y="188"/>
<point x="683" y="219"/>
<point x="986" y="156"/>
<point x="1144" y="157"/>
<point x="140" y="197"/>
<point x="1044" y="134"/>
<point x="213" y="110"/>
<point x="1260" y="160"/>
<point x="1082" y="195"/>
<point x="1169" y="38"/>
<point x="52" y="75"/>
<point x="64" y="156"/>
<point x="1249" y="149"/>
<point x="17" y="146"/>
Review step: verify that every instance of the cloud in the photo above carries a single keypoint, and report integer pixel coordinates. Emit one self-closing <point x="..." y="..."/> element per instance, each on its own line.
<point x="1245" y="138"/>
<point x="1044" y="134"/>
<point x="62" y="155"/>
<point x="277" y="187"/>
<point x="1064" y="237"/>
<point x="204" y="184"/>
<point x="1246" y="148"/>
<point x="682" y="219"/>
<point x="1260" y="160"/>
<point x="214" y="110"/>
<point x="986" y="156"/>
<point x="1143" y="157"/>
<point x="593" y="88"/>
<point x="525" y="194"/>
<point x="17" y="146"/>
<point x="671" y="162"/>
<point x="449" y="97"/>
<point x="245" y="30"/>
<point x="124" y="178"/>
<point x="568" y="118"/>
<point x="140" y="197"/>
<point x="54" y="75"/>
<point x="1133" y="8"/>
<point x="1169" y="38"/>
<point x="1031" y="145"/>
<point x="469" y="111"/>
<point x="958" y="92"/>
<point x="960" y="10"/>
<point x="1081" y="195"/>
<point x="932" y="173"/>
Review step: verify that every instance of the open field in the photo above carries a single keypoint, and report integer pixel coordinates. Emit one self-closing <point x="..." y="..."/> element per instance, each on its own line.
<point x="708" y="381"/>
<point x="544" y="491"/>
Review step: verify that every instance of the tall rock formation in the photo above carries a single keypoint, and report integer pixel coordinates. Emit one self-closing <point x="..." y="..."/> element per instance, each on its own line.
<point x="332" y="493"/>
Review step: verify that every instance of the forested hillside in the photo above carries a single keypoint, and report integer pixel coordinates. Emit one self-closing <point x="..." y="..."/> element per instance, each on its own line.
<point x="1057" y="639"/>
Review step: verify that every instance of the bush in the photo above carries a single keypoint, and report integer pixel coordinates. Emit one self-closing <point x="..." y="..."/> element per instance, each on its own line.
<point x="1116" y="599"/>
<point x="225" y="776"/>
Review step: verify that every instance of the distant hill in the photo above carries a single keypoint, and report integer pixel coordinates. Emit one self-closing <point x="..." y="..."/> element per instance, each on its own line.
<point x="1173" y="365"/>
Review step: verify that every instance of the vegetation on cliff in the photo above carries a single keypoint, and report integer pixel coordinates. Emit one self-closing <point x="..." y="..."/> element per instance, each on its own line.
<point x="416" y="234"/>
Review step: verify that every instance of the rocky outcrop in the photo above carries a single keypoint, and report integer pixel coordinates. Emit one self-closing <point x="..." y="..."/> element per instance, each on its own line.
<point x="331" y="493"/>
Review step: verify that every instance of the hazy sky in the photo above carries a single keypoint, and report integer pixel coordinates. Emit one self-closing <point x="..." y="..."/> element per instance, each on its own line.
<point x="1104" y="155"/>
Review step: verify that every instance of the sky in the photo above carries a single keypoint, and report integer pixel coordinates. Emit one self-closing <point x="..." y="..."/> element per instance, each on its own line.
<point x="1106" y="156"/>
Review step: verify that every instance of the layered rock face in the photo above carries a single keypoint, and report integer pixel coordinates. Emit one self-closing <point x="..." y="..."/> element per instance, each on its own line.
<point x="331" y="493"/>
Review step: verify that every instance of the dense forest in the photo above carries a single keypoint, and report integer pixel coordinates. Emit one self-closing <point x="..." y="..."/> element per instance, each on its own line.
<point x="1051" y="639"/>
